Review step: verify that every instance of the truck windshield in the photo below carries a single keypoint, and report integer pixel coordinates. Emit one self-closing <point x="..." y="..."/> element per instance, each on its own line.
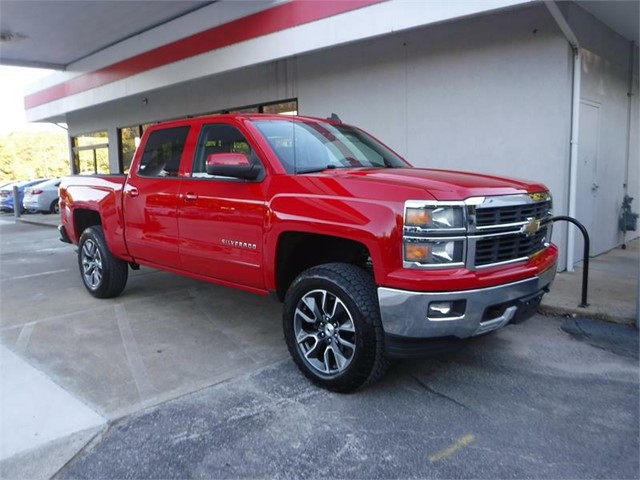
<point x="312" y="146"/>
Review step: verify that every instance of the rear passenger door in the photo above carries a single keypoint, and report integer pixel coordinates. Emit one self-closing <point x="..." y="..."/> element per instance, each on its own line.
<point x="221" y="219"/>
<point x="151" y="196"/>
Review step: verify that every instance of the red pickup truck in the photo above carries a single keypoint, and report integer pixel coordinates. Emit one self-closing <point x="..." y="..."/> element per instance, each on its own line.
<point x="373" y="258"/>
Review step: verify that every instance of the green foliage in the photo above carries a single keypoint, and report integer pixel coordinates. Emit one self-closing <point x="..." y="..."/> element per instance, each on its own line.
<point x="28" y="155"/>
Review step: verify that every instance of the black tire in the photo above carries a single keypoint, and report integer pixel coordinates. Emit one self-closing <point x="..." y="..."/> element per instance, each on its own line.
<point x="55" y="206"/>
<point x="331" y="313"/>
<point x="103" y="275"/>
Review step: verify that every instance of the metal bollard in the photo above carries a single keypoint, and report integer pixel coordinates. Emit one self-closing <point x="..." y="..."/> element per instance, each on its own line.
<point x="585" y="256"/>
<point x="16" y="202"/>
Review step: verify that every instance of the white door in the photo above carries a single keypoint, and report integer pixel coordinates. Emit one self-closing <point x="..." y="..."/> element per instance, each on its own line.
<point x="587" y="187"/>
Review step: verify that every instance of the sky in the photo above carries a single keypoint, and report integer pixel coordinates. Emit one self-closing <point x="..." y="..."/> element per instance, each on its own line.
<point x="13" y="81"/>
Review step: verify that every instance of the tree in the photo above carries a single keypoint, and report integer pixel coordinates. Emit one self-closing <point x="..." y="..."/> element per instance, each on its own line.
<point x="28" y="155"/>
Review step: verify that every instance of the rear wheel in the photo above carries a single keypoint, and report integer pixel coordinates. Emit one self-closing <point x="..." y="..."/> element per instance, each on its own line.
<point x="103" y="275"/>
<point x="332" y="327"/>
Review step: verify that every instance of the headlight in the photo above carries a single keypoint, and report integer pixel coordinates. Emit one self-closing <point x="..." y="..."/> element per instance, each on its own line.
<point x="434" y="217"/>
<point x="434" y="234"/>
<point x="433" y="252"/>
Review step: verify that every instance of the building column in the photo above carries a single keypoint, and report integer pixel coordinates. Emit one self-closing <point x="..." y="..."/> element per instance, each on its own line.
<point x="114" y="150"/>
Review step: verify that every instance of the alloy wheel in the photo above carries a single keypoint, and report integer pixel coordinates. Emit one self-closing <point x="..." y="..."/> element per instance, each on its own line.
<point x="91" y="264"/>
<point x="325" y="332"/>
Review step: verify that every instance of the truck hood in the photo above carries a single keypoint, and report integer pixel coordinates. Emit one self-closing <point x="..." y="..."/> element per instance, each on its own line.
<point x="440" y="184"/>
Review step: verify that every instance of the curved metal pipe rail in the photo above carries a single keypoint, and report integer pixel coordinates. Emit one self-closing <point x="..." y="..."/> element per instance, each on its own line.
<point x="585" y="255"/>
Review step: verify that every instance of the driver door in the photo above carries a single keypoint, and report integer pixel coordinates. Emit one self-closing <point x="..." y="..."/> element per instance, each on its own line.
<point x="221" y="219"/>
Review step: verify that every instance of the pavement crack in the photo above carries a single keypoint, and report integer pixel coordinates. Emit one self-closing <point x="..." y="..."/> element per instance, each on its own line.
<point x="439" y="394"/>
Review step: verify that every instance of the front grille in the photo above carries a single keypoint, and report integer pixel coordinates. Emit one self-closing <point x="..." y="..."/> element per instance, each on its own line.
<point x="495" y="216"/>
<point x="509" y="247"/>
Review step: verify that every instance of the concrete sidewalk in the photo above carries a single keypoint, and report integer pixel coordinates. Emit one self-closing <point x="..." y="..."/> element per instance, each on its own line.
<point x="613" y="288"/>
<point x="612" y="292"/>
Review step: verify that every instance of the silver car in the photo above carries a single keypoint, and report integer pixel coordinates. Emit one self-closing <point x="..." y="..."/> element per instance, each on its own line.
<point x="42" y="197"/>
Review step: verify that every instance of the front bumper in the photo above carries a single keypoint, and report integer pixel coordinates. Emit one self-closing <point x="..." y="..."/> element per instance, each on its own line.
<point x="405" y="313"/>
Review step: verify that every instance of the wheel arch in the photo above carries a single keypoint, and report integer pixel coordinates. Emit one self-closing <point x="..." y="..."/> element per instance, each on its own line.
<point x="84" y="218"/>
<point x="298" y="251"/>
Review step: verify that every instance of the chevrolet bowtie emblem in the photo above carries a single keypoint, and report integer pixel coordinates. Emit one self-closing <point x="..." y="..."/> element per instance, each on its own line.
<point x="531" y="227"/>
<point x="539" y="197"/>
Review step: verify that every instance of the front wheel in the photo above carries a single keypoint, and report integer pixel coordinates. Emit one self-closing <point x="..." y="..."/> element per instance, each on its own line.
<point x="332" y="327"/>
<point x="103" y="275"/>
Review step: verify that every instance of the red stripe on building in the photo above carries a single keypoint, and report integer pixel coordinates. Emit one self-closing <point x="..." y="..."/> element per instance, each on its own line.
<point x="278" y="18"/>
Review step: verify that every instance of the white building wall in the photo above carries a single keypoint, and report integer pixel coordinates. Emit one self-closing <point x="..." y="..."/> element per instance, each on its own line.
<point x="376" y="19"/>
<point x="606" y="60"/>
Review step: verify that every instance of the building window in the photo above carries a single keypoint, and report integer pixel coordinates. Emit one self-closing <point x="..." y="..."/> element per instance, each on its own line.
<point x="129" y="139"/>
<point x="288" y="107"/>
<point x="91" y="153"/>
<point x="244" y="110"/>
<point x="281" y="107"/>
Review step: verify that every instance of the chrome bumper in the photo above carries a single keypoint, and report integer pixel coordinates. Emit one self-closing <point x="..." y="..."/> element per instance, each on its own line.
<point x="404" y="313"/>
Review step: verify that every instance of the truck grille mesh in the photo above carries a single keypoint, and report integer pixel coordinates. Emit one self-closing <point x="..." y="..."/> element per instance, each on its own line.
<point x="495" y="216"/>
<point x="508" y="247"/>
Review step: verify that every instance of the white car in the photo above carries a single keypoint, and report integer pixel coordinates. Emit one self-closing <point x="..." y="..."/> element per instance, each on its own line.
<point x="42" y="197"/>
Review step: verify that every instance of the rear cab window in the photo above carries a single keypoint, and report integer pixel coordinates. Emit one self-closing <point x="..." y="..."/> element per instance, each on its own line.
<point x="163" y="152"/>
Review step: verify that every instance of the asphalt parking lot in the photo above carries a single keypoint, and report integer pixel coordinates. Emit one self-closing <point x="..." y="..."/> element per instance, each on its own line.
<point x="193" y="380"/>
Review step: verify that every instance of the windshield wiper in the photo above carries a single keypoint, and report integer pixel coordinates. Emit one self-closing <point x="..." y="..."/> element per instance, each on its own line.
<point x="333" y="167"/>
<point x="315" y="169"/>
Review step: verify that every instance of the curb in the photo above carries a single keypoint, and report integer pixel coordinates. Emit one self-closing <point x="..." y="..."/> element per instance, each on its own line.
<point x="552" y="310"/>
<point x="35" y="222"/>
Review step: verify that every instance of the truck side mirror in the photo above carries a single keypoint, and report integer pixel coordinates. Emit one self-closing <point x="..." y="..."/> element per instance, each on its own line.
<point x="232" y="165"/>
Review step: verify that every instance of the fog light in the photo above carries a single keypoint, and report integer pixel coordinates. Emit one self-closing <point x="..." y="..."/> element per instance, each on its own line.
<point x="441" y="309"/>
<point x="446" y="309"/>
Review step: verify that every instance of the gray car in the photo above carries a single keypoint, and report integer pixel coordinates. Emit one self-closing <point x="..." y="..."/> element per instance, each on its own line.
<point x="42" y="197"/>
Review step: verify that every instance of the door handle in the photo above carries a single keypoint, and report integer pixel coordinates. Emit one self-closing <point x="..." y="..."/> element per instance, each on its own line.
<point x="132" y="192"/>
<point x="190" y="196"/>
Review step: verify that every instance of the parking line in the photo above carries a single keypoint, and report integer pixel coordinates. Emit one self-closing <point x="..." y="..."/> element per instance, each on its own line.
<point x="136" y="365"/>
<point x="24" y="337"/>
<point x="447" y="452"/>
<point x="53" y="249"/>
<point x="33" y="275"/>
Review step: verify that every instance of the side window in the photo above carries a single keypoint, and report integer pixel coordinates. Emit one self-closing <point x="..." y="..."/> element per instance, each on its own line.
<point x="220" y="138"/>
<point x="162" y="152"/>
